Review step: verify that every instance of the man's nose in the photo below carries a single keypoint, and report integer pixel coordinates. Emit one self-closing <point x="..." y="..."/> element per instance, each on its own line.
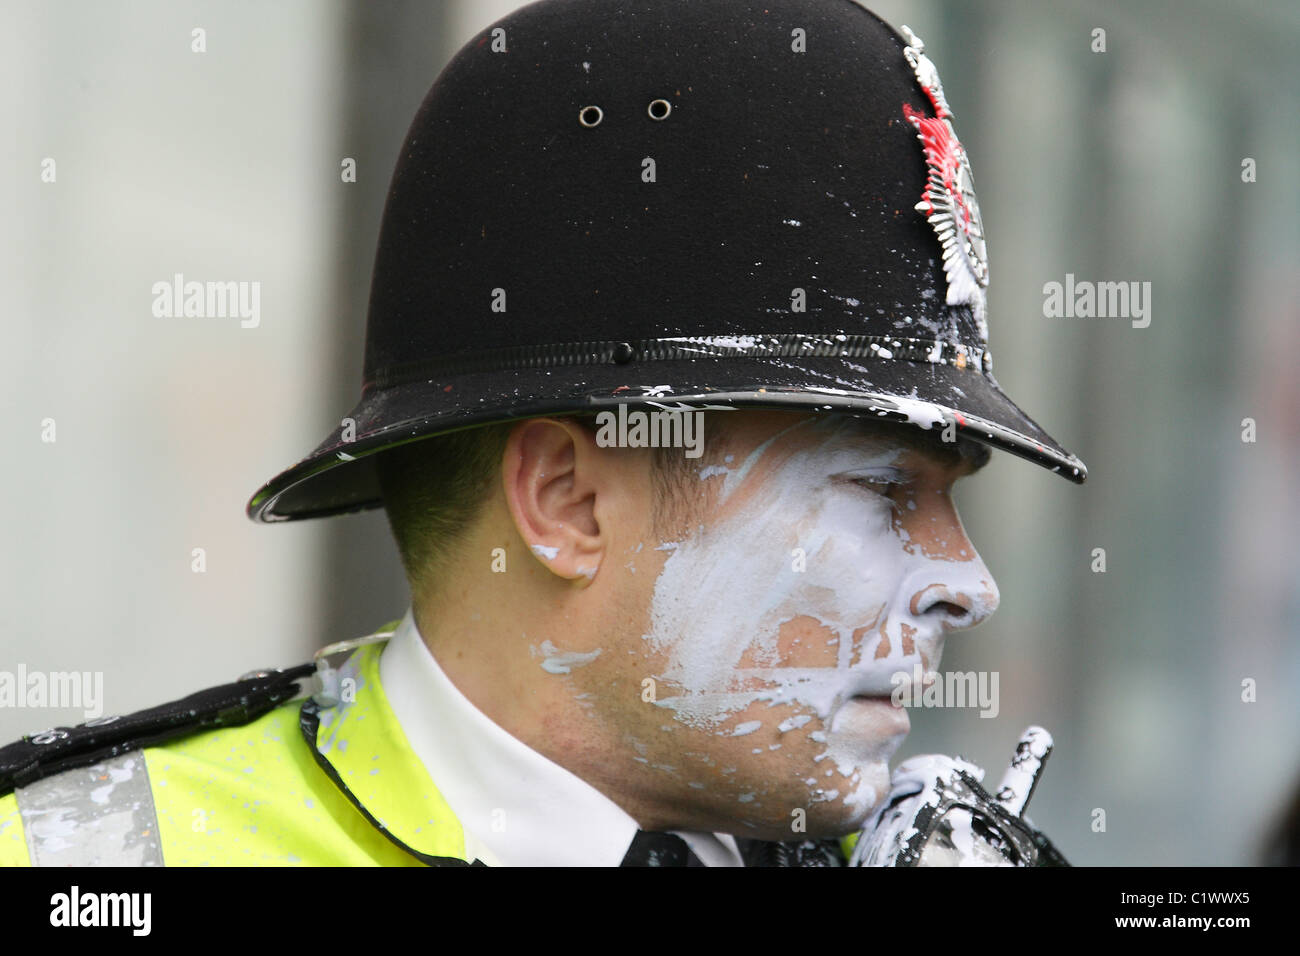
<point x="950" y="586"/>
<point x="955" y="594"/>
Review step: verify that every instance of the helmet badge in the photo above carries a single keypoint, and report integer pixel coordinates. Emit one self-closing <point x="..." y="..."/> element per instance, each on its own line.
<point x="949" y="198"/>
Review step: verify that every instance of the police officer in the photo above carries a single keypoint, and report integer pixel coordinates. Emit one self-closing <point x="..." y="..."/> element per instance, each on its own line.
<point x="677" y="342"/>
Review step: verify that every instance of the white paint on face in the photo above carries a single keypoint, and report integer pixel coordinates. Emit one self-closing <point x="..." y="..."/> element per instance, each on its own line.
<point x="555" y="661"/>
<point x="723" y="595"/>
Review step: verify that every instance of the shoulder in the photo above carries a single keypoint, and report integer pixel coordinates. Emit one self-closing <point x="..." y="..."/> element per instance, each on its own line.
<point x="51" y="752"/>
<point x="85" y="793"/>
<point x="221" y="777"/>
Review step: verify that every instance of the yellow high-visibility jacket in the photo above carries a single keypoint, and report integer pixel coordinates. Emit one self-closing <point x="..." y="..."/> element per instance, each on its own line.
<point x="300" y="785"/>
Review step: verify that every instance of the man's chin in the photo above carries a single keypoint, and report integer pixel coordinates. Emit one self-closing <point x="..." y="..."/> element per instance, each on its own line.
<point x="861" y="794"/>
<point x="839" y="806"/>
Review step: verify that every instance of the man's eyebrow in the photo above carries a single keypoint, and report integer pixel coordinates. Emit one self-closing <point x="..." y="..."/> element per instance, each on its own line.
<point x="966" y="453"/>
<point x="974" y="454"/>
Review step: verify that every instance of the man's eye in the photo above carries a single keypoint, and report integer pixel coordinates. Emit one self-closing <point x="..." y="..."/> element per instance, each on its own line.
<point x="879" y="485"/>
<point x="875" y="484"/>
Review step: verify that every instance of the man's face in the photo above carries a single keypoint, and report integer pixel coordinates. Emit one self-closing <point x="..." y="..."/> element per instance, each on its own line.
<point x="829" y="558"/>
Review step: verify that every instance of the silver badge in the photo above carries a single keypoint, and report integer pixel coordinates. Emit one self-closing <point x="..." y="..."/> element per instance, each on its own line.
<point x="949" y="199"/>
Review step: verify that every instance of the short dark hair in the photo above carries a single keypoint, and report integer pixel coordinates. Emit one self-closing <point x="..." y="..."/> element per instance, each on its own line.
<point x="434" y="488"/>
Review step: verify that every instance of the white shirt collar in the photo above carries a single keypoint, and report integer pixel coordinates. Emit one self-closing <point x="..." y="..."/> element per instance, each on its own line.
<point x="517" y="807"/>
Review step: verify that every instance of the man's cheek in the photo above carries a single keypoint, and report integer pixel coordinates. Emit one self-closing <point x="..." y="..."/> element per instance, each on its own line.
<point x="802" y="641"/>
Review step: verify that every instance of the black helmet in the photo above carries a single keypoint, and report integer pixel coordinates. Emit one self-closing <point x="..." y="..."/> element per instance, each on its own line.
<point x="688" y="203"/>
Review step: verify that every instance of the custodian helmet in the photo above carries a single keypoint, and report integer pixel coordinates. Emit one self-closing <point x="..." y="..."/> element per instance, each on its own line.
<point x="674" y="203"/>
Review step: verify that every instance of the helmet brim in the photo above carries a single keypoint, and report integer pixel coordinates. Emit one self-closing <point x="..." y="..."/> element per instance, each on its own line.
<point x="339" y="477"/>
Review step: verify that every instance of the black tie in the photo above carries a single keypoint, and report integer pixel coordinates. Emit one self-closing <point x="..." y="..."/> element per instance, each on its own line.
<point x="659" y="849"/>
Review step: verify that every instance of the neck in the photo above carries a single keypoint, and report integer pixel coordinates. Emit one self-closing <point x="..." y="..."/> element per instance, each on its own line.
<point x="534" y="679"/>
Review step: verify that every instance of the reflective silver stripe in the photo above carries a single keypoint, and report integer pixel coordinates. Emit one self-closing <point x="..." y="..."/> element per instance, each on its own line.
<point x="102" y="815"/>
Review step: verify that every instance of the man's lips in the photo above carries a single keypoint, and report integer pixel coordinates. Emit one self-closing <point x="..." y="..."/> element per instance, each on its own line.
<point x="819" y="690"/>
<point x="882" y="679"/>
<point x="876" y="679"/>
<point x="875" y="700"/>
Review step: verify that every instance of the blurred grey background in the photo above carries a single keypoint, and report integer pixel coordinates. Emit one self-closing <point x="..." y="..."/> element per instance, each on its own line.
<point x="1117" y="166"/>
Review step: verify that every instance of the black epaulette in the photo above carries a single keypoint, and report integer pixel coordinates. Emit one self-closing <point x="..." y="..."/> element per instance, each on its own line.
<point x="65" y="748"/>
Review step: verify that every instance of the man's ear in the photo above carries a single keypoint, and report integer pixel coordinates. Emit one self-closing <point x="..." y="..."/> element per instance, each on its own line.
<point x="552" y="474"/>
